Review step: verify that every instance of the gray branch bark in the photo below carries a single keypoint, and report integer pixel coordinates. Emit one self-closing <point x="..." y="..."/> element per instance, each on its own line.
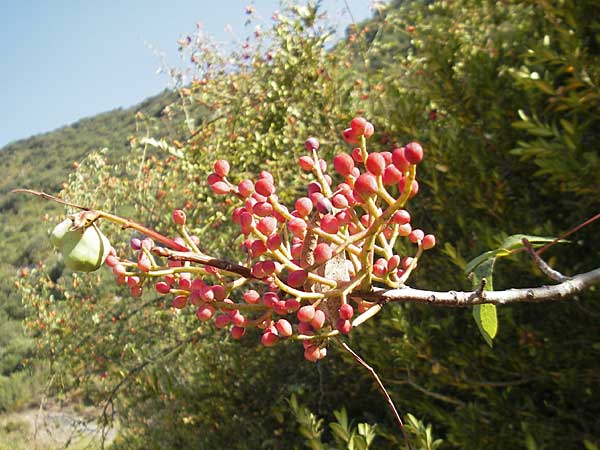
<point x="557" y="292"/>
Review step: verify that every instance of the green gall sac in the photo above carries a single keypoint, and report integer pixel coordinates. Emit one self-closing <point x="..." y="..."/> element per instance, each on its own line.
<point x="84" y="250"/>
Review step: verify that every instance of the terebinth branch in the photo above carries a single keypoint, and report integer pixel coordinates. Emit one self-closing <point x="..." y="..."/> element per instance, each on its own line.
<point x="557" y="292"/>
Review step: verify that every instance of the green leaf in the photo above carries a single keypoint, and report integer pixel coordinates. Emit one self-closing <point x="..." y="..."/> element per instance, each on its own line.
<point x="485" y="315"/>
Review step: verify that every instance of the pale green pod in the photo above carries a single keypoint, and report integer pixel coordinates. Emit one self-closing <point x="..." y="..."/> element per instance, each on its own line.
<point x="58" y="234"/>
<point x="85" y="250"/>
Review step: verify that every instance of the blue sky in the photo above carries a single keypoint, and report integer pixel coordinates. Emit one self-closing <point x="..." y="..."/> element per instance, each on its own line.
<point x="63" y="60"/>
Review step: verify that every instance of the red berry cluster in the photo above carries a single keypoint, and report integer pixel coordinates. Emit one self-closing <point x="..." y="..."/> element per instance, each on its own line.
<point x="305" y="265"/>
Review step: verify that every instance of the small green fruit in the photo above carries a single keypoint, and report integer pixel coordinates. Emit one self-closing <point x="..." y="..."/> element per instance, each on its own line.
<point x="58" y="234"/>
<point x="84" y="250"/>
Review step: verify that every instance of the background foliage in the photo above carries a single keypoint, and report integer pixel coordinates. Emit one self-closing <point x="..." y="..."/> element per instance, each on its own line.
<point x="504" y="98"/>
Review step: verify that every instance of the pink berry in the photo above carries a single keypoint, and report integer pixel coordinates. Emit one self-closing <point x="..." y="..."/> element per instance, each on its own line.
<point x="343" y="164"/>
<point x="135" y="244"/>
<point x="312" y="353"/>
<point x="180" y="301"/>
<point x="413" y="152"/>
<point x="143" y="262"/>
<point x="366" y="185"/>
<point x="369" y="130"/>
<point x="284" y="328"/>
<point x="220" y="188"/>
<point x="163" y="287"/>
<point x="312" y="144"/>
<point x="416" y="236"/>
<point x="274" y="242"/>
<point x="304" y="206"/>
<point x="322" y="253"/>
<point x="391" y="175"/>
<point x="306" y="163"/>
<point x="401" y="217"/>
<point x="292" y="305"/>
<point x="330" y="224"/>
<point x="318" y="320"/>
<point x="356" y="156"/>
<point x="306" y="313"/>
<point x="297" y="226"/>
<point x="263" y="209"/>
<point x="221" y="168"/>
<point x="339" y="201"/>
<point x="267" y="225"/>
<point x="375" y="163"/>
<point x="350" y="136"/>
<point x="324" y="206"/>
<point x="346" y="311"/>
<point x="246" y="188"/>
<point x="269" y="339"/>
<point x="222" y="321"/>
<point x="238" y="332"/>
<point x="358" y="125"/>
<point x="428" y="241"/>
<point x="399" y="159"/>
<point x="251" y="297"/>
<point x="205" y="312"/>
<point x="297" y="278"/>
<point x="264" y="187"/>
<point x="344" y="326"/>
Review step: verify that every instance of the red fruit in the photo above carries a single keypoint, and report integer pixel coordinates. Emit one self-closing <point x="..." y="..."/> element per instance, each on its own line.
<point x="343" y="218"/>
<point x="297" y="226"/>
<point x="284" y="328"/>
<point x="267" y="225"/>
<point x="305" y="328"/>
<point x="322" y="253"/>
<point x="404" y="229"/>
<point x="399" y="159"/>
<point x="344" y="326"/>
<point x="346" y="311"/>
<point x="143" y="262"/>
<point x="111" y="261"/>
<point x="416" y="235"/>
<point x="258" y="248"/>
<point x="358" y="125"/>
<point x="220" y="188"/>
<point x="251" y="297"/>
<point x="180" y="301"/>
<point x="222" y="321"/>
<point x="179" y="217"/>
<point x="312" y="143"/>
<point x="274" y="242"/>
<point x="349" y="136"/>
<point x="238" y="332"/>
<point x="406" y="262"/>
<point x="318" y="320"/>
<point x="324" y="206"/>
<point x="269" y="339"/>
<point x="313" y="187"/>
<point x="369" y="130"/>
<point x="163" y="287"/>
<point x="339" y="201"/>
<point x="221" y="168"/>
<point x="205" y="312"/>
<point x="257" y="270"/>
<point x="237" y="318"/>
<point x="219" y="292"/>
<point x="135" y="244"/>
<point x="391" y="175"/>
<point x="264" y="187"/>
<point x="304" y="206"/>
<point x="388" y="157"/>
<point x="246" y="188"/>
<point x="413" y="152"/>
<point x="297" y="278"/>
<point x="263" y="209"/>
<point x="330" y="224"/>
<point x="357" y="154"/>
<point x="265" y="175"/>
<point x="306" y="163"/>
<point x="292" y="305"/>
<point x="312" y="353"/>
<point x="428" y="241"/>
<point x="401" y="217"/>
<point x="306" y="313"/>
<point x="375" y="163"/>
<point x="213" y="178"/>
<point x="366" y="185"/>
<point x="270" y="298"/>
<point x="393" y="262"/>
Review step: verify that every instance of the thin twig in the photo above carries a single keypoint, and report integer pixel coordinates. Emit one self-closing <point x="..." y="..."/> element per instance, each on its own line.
<point x="381" y="388"/>
<point x="543" y="265"/>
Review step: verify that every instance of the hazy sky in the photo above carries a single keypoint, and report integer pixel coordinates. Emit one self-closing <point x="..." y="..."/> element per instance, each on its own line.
<point x="62" y="60"/>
